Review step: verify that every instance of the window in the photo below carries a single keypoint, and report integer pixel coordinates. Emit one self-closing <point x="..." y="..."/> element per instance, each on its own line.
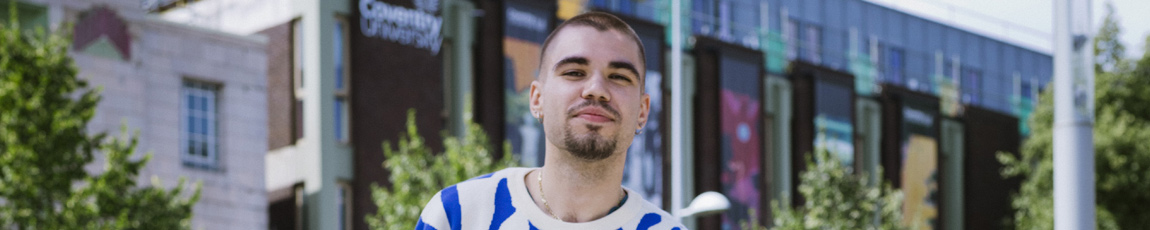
<point x="812" y="44"/>
<point x="971" y="86"/>
<point x="952" y="70"/>
<point x="873" y="49"/>
<point x="704" y="17"/>
<point x="297" y="78"/>
<point x="791" y="37"/>
<point x="199" y="126"/>
<point x="298" y="55"/>
<point x="342" y="73"/>
<point x="343" y="197"/>
<point x="341" y="119"/>
<point x="341" y="55"/>
<point x="893" y="67"/>
<point x="1028" y="90"/>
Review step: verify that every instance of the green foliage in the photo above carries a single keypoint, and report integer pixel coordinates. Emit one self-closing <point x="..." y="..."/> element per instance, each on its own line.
<point x="1122" y="154"/>
<point x="837" y="199"/>
<point x="44" y="147"/>
<point x="1108" y="50"/>
<point x="417" y="174"/>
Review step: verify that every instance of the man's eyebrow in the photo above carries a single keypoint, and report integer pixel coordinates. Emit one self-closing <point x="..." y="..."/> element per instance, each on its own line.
<point x="624" y="65"/>
<point x="571" y="60"/>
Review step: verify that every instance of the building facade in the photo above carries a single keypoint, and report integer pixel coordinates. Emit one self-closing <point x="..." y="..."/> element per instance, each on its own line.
<point x="196" y="97"/>
<point x="767" y="82"/>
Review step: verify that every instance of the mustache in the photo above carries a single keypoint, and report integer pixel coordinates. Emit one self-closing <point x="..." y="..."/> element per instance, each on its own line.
<point x="601" y="104"/>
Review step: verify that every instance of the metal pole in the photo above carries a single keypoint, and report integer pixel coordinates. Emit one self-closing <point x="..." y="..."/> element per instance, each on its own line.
<point x="677" y="102"/>
<point x="1073" y="116"/>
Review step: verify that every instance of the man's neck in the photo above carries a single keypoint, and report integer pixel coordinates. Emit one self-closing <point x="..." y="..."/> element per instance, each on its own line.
<point x="577" y="190"/>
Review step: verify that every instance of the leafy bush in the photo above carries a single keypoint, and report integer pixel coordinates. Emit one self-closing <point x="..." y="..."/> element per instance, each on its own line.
<point x="417" y="174"/>
<point x="837" y="199"/>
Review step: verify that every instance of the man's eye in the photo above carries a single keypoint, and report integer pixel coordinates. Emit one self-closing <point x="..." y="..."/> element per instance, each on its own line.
<point x="620" y="77"/>
<point x="573" y="73"/>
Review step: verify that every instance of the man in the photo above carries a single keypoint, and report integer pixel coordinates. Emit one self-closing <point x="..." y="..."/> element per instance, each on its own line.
<point x="589" y="96"/>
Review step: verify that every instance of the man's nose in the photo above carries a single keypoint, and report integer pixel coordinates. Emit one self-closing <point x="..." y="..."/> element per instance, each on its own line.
<point x="595" y="88"/>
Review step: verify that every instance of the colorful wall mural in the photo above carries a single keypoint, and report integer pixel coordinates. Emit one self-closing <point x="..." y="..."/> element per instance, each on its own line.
<point x="920" y="162"/>
<point x="741" y="176"/>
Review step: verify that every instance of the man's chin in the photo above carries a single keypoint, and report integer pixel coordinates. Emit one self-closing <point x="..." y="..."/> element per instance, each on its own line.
<point x="592" y="147"/>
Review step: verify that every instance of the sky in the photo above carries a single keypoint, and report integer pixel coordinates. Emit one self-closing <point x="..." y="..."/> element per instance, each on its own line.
<point x="1027" y="23"/>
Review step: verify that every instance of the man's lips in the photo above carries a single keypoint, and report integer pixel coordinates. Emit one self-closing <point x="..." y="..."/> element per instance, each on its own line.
<point x="594" y="114"/>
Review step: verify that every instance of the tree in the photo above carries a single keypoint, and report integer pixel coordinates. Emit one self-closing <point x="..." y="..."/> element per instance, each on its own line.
<point x="1108" y="50"/>
<point x="1122" y="154"/>
<point x="416" y="173"/>
<point x="44" y="148"/>
<point x="837" y="199"/>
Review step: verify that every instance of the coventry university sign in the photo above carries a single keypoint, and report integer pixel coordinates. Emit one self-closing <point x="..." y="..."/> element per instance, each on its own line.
<point x="412" y="27"/>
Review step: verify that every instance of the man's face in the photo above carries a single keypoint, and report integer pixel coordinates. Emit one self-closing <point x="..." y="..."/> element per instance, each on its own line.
<point x="589" y="92"/>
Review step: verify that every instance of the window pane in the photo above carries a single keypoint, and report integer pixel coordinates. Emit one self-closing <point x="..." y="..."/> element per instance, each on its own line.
<point x="191" y="102"/>
<point x="338" y="56"/>
<point x="204" y="148"/>
<point x="191" y="126"/>
<point x="203" y="125"/>
<point x="1026" y="89"/>
<point x="191" y="147"/>
<point x="971" y="85"/>
<point x="338" y="119"/>
<point x="203" y="104"/>
<point x="894" y="66"/>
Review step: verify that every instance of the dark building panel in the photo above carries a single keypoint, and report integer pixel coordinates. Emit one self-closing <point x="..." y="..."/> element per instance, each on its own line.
<point x="728" y="131"/>
<point x="823" y="101"/>
<point x="285" y="208"/>
<point x="489" y="105"/>
<point x="388" y="79"/>
<point x="910" y="151"/>
<point x="527" y="25"/>
<point x="281" y="98"/>
<point x="706" y="128"/>
<point x="987" y="201"/>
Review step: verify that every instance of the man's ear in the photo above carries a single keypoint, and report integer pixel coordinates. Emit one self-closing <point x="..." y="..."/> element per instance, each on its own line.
<point x="535" y="100"/>
<point x="644" y="109"/>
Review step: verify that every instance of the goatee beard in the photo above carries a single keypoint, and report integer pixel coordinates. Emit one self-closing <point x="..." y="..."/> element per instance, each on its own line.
<point x="591" y="148"/>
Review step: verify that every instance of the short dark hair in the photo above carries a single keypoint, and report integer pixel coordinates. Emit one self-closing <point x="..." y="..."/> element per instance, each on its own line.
<point x="600" y="21"/>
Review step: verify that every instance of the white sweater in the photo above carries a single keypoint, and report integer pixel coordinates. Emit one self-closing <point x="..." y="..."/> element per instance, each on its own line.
<point x="500" y="201"/>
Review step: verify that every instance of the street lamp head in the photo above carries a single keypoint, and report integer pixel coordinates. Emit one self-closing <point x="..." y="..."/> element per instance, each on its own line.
<point x="705" y="204"/>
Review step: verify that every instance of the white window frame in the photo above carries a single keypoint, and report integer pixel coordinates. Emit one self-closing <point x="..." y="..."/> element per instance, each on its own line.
<point x="209" y="139"/>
